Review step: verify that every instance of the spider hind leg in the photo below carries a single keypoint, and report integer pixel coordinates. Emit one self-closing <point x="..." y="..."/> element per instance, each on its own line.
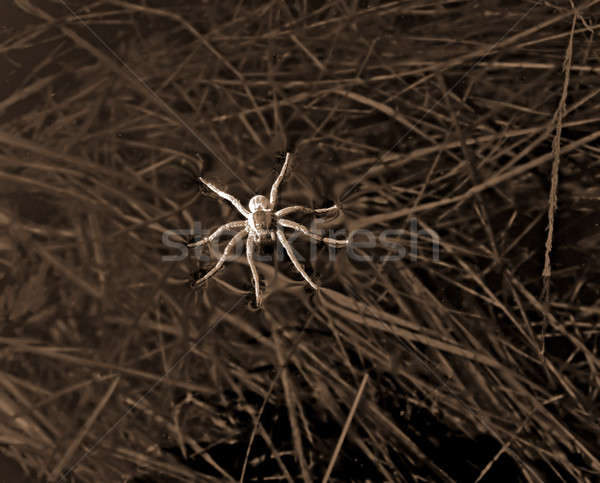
<point x="290" y="252"/>
<point x="228" y="249"/>
<point x="250" y="243"/>
<point x="309" y="234"/>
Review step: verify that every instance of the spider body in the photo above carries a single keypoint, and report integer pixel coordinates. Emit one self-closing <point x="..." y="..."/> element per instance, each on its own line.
<point x="263" y="224"/>
<point x="260" y="219"/>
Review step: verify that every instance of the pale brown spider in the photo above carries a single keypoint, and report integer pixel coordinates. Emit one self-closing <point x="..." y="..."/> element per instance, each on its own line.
<point x="263" y="224"/>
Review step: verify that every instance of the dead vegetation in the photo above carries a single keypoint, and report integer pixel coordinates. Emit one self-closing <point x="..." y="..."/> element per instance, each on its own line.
<point x="473" y="122"/>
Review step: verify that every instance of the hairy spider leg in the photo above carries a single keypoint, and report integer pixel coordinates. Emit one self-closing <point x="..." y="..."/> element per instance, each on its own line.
<point x="223" y="228"/>
<point x="238" y="236"/>
<point x="252" y="265"/>
<point x="305" y="210"/>
<point x="290" y="251"/>
<point x="232" y="199"/>
<point x="277" y="182"/>
<point x="315" y="236"/>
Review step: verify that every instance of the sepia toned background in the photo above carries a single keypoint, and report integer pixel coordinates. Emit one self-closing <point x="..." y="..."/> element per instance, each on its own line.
<point x="474" y="124"/>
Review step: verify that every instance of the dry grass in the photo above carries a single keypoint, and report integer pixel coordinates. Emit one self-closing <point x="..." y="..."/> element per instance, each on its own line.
<point x="478" y="123"/>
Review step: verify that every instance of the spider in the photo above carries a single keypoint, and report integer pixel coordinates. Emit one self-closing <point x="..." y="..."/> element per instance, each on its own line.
<point x="264" y="225"/>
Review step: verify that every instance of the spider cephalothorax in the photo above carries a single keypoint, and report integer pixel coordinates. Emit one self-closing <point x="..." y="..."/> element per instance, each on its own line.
<point x="261" y="219"/>
<point x="264" y="224"/>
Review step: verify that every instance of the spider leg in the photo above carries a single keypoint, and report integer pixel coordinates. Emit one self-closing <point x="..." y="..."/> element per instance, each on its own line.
<point x="223" y="228"/>
<point x="252" y="265"/>
<point x="232" y="199"/>
<point x="306" y="210"/>
<point x="290" y="251"/>
<point x="238" y="236"/>
<point x="315" y="236"/>
<point x="277" y="182"/>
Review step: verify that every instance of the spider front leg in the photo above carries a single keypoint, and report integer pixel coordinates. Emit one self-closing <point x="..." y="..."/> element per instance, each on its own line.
<point x="290" y="251"/>
<point x="306" y="210"/>
<point x="223" y="228"/>
<point x="315" y="236"/>
<point x="232" y="199"/>
<point x="275" y="187"/>
<point x="252" y="265"/>
<point x="228" y="249"/>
